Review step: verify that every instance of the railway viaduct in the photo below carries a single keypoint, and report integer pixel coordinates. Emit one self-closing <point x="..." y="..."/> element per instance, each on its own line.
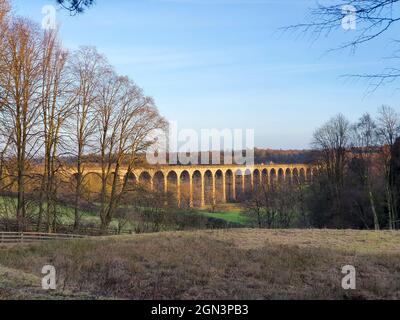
<point x="199" y="185"/>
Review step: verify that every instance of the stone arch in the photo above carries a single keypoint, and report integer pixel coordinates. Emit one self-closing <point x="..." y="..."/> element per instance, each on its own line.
<point x="92" y="185"/>
<point x="197" y="181"/>
<point x="185" y="192"/>
<point x="309" y="175"/>
<point x="229" y="186"/>
<point x="302" y="176"/>
<point x="256" y="179"/>
<point x="288" y="176"/>
<point x="281" y="176"/>
<point x="264" y="178"/>
<point x="272" y="177"/>
<point x="172" y="188"/>
<point x="239" y="184"/>
<point x="145" y="180"/>
<point x="248" y="183"/>
<point x="219" y="186"/>
<point x="131" y="181"/>
<point x="208" y="187"/>
<point x="296" y="179"/>
<point x="159" y="181"/>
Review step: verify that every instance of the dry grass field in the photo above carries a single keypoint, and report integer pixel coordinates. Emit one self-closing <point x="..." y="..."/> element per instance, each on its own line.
<point x="224" y="264"/>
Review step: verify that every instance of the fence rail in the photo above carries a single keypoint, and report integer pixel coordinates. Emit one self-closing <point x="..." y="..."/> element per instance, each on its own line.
<point x="31" y="227"/>
<point x="31" y="237"/>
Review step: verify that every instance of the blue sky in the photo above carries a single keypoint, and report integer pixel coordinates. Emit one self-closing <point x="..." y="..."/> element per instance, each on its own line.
<point x="225" y="63"/>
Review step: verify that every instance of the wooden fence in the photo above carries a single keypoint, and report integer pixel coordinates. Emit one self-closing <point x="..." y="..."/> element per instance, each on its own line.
<point x="31" y="227"/>
<point x="31" y="237"/>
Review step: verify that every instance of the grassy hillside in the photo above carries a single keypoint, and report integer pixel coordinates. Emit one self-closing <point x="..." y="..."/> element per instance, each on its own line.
<point x="233" y="264"/>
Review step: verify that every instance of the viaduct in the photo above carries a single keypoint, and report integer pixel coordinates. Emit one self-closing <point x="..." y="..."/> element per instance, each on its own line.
<point x="200" y="185"/>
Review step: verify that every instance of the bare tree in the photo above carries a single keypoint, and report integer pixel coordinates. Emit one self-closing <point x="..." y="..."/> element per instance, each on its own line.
<point x="109" y="109"/>
<point x="388" y="130"/>
<point x="4" y="140"/>
<point x="55" y="109"/>
<point x="275" y="207"/>
<point x="368" y="20"/>
<point x="20" y="82"/>
<point x="332" y="141"/>
<point x="258" y="207"/>
<point x="86" y="68"/>
<point x="54" y="105"/>
<point x="126" y="120"/>
<point x="5" y="144"/>
<point x="364" y="144"/>
<point x="4" y="10"/>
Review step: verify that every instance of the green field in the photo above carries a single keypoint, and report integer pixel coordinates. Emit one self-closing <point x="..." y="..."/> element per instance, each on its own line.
<point x="232" y="213"/>
<point x="233" y="216"/>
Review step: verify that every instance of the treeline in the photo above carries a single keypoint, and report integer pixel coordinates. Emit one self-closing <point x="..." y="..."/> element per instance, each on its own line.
<point x="261" y="156"/>
<point x="355" y="182"/>
<point x="266" y="156"/>
<point x="56" y="104"/>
